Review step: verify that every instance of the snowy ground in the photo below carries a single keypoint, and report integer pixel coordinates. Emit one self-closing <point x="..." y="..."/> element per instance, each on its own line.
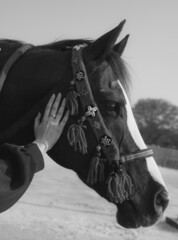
<point x="58" y="206"/>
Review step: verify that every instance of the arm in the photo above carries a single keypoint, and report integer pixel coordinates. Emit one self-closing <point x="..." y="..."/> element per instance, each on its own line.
<point x="19" y="164"/>
<point x="17" y="168"/>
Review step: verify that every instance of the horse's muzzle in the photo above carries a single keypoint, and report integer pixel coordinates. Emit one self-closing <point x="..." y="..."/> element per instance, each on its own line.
<point x="161" y="201"/>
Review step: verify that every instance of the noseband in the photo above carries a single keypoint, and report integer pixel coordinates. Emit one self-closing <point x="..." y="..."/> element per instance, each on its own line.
<point x="120" y="186"/>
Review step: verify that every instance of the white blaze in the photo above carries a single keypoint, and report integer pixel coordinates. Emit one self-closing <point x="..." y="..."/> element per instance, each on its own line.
<point x="135" y="133"/>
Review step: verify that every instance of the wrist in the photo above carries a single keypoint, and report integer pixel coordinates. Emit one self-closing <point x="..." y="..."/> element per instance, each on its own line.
<point x="42" y="145"/>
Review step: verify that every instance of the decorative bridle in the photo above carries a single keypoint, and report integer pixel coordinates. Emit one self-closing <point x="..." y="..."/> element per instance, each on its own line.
<point x="119" y="183"/>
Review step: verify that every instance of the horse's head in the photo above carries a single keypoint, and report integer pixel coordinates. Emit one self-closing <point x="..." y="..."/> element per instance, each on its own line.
<point x="135" y="187"/>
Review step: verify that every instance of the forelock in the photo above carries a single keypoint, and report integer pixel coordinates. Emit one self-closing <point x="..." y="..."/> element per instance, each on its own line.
<point x="120" y="71"/>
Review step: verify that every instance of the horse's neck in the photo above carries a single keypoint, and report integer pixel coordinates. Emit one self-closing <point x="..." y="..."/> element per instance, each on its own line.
<point x="40" y="71"/>
<point x="32" y="78"/>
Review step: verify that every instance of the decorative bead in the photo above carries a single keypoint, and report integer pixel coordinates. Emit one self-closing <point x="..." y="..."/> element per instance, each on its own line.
<point x="72" y="82"/>
<point x="83" y="118"/>
<point x="98" y="150"/>
<point x="97" y="124"/>
<point x="91" y="111"/>
<point x="77" y="47"/>
<point x="83" y="92"/>
<point x="98" y="147"/>
<point x="120" y="170"/>
<point x="105" y="141"/>
<point x="98" y="154"/>
<point x="75" y="59"/>
<point x="79" y="75"/>
<point x="122" y="160"/>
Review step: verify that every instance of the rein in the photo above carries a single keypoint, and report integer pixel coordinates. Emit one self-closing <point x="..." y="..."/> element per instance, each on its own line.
<point x="119" y="183"/>
<point x="13" y="58"/>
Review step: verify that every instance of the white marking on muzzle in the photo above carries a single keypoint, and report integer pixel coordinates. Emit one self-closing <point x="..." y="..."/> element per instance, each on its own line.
<point x="135" y="133"/>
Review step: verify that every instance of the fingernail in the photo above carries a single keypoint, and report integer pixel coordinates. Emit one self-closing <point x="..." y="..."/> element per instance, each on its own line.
<point x="59" y="95"/>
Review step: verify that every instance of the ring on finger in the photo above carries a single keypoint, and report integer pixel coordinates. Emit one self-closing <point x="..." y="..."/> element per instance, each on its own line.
<point x="53" y="115"/>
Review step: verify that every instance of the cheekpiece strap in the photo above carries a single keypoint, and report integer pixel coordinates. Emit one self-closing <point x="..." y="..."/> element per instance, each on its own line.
<point x="92" y="113"/>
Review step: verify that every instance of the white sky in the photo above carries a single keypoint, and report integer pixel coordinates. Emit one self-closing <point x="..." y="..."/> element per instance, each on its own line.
<point x="152" y="51"/>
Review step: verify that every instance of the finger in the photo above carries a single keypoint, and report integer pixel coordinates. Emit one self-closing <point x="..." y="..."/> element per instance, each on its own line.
<point x="48" y="107"/>
<point x="64" y="120"/>
<point x="37" y="120"/>
<point x="60" y="111"/>
<point x="55" y="105"/>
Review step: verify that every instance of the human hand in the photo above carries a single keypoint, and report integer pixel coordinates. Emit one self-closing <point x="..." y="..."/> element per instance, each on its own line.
<point x="49" y="130"/>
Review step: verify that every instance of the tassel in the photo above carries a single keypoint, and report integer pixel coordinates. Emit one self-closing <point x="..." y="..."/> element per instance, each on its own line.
<point x="96" y="171"/>
<point x="120" y="187"/>
<point x="76" y="137"/>
<point x="72" y="102"/>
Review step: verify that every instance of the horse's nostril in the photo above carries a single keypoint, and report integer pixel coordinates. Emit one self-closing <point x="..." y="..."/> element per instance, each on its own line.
<point x="161" y="201"/>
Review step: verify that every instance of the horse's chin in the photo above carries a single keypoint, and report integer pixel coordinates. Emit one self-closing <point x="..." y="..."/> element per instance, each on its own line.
<point x="130" y="217"/>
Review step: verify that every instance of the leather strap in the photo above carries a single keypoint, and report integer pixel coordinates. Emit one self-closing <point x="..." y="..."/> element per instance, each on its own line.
<point x="13" y="58"/>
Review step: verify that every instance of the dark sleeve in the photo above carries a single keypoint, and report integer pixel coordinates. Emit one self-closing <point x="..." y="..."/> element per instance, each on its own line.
<point x="17" y="168"/>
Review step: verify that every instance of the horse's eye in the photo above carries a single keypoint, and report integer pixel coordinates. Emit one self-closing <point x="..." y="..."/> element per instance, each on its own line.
<point x="111" y="106"/>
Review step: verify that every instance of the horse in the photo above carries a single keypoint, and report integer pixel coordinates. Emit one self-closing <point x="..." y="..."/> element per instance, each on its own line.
<point x="101" y="141"/>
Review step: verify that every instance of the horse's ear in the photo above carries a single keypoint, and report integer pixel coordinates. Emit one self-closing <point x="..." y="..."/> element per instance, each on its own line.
<point x="100" y="48"/>
<point x="119" y="47"/>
